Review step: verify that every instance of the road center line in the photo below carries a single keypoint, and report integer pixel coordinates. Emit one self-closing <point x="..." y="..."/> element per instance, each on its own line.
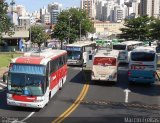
<point x="74" y="105"/>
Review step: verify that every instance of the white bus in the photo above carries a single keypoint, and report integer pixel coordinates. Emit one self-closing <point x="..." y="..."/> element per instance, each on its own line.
<point x="142" y="65"/>
<point x="105" y="66"/>
<point x="78" y="52"/>
<point x="124" y="48"/>
<point x="33" y="79"/>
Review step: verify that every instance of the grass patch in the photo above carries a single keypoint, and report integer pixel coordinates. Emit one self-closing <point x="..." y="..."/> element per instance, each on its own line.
<point x="6" y="58"/>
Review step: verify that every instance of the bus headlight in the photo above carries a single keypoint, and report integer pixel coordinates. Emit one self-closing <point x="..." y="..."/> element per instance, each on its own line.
<point x="9" y="96"/>
<point x="39" y="99"/>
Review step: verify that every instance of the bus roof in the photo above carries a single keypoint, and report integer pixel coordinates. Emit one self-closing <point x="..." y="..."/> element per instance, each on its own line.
<point x="104" y="53"/>
<point x="131" y="42"/>
<point x="144" y="49"/>
<point x="35" y="57"/>
<point x="81" y="43"/>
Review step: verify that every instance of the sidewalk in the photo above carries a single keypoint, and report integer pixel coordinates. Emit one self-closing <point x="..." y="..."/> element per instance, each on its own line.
<point x="2" y="70"/>
<point x="2" y="84"/>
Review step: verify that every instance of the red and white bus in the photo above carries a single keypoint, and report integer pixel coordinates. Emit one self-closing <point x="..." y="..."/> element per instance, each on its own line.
<point x="34" y="78"/>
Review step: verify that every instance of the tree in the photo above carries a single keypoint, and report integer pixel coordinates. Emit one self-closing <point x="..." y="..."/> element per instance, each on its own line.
<point x="136" y="29"/>
<point x="38" y="35"/>
<point x="5" y="21"/>
<point x="155" y="30"/>
<point x="70" y="23"/>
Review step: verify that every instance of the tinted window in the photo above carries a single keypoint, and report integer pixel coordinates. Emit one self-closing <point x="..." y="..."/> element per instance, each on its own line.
<point x="119" y="47"/>
<point x="157" y="49"/>
<point x="142" y="56"/>
<point x="75" y="55"/>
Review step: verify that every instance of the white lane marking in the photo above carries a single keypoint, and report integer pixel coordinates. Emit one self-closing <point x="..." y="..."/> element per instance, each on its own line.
<point x="28" y="116"/>
<point x="3" y="84"/>
<point x="126" y="94"/>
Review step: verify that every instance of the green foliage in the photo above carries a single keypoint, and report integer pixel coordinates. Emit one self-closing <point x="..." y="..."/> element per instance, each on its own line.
<point x="136" y="29"/>
<point x="5" y="22"/>
<point x="68" y="25"/>
<point x="38" y="35"/>
<point x="155" y="29"/>
<point x="6" y="58"/>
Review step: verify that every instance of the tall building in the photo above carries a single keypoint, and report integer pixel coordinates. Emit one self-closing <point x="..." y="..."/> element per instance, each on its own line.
<point x="46" y="18"/>
<point x="89" y="6"/>
<point x="106" y="10"/>
<point x="98" y="10"/>
<point x="54" y="9"/>
<point x="43" y="11"/>
<point x="149" y="7"/>
<point x="21" y="10"/>
<point x="118" y="14"/>
<point x="135" y="7"/>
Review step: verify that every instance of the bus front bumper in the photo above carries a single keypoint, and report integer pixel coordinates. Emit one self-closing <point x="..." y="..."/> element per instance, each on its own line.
<point x="25" y="104"/>
<point x="74" y="62"/>
<point x="141" y="80"/>
<point x="97" y="78"/>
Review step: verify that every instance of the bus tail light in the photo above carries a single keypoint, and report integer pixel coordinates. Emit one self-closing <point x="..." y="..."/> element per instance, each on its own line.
<point x="129" y="73"/>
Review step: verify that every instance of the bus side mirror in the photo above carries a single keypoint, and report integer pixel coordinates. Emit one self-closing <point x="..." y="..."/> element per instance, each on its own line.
<point x="5" y="77"/>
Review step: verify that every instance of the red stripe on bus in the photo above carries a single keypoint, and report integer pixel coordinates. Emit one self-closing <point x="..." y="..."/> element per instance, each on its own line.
<point x="29" y="60"/>
<point x="24" y="98"/>
<point x="58" y="56"/>
<point x="57" y="76"/>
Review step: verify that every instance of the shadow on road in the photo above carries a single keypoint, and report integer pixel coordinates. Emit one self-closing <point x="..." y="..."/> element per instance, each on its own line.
<point x="145" y="89"/>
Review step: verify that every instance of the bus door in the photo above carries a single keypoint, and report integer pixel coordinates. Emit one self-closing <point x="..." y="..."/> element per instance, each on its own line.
<point x="89" y="62"/>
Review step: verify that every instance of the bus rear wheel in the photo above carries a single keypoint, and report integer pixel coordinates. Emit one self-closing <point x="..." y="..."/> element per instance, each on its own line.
<point x="60" y="85"/>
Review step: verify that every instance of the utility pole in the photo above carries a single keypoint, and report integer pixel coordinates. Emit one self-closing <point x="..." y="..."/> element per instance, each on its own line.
<point x="12" y="4"/>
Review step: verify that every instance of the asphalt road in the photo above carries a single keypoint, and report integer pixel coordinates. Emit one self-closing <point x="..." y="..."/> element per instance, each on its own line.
<point x="103" y="102"/>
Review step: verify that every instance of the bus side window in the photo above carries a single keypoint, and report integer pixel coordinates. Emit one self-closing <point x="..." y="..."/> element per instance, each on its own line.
<point x="90" y="57"/>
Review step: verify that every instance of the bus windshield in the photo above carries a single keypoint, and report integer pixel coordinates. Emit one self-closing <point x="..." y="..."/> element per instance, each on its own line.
<point x="26" y="79"/>
<point x="26" y="84"/>
<point x="119" y="47"/>
<point x="105" y="61"/>
<point x="142" y="56"/>
<point x="75" y="55"/>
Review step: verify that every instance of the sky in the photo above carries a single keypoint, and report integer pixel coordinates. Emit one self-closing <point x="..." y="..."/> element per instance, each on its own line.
<point x="32" y="5"/>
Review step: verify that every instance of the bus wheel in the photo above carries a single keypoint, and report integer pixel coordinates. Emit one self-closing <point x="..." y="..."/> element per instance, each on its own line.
<point x="49" y="97"/>
<point x="60" y="85"/>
